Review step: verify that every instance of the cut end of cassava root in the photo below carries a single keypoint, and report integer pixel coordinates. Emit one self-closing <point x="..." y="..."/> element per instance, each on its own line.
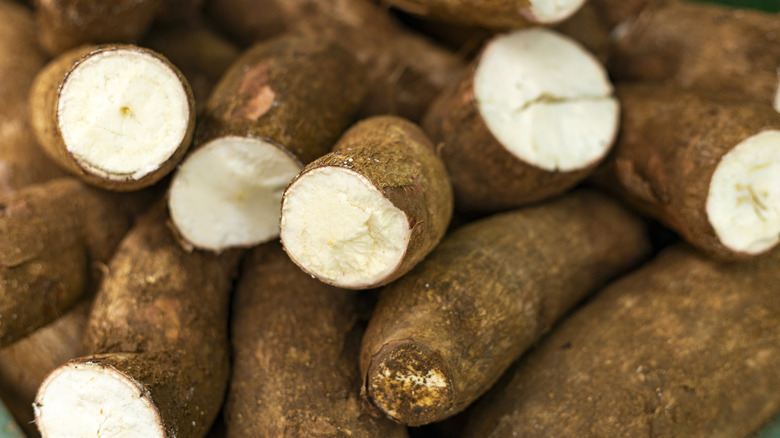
<point x="361" y="245"/>
<point x="123" y="113"/>
<point x="743" y="204"/>
<point x="227" y="193"/>
<point x="546" y="99"/>
<point x="91" y="399"/>
<point x="546" y="11"/>
<point x="416" y="371"/>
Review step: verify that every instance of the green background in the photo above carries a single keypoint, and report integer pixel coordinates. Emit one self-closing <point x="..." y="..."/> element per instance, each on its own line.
<point x="764" y="5"/>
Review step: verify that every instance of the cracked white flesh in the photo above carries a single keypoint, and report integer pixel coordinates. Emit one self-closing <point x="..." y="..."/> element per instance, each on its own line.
<point x="743" y="204"/>
<point x="546" y="99"/>
<point x="89" y="400"/>
<point x="552" y="11"/>
<point x="228" y="193"/>
<point x="339" y="227"/>
<point x="122" y="112"/>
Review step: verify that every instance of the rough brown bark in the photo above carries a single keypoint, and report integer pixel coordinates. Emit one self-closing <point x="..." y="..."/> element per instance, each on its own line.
<point x="44" y="102"/>
<point x="54" y="238"/>
<point x="295" y="348"/>
<point x="201" y="54"/>
<point x="397" y="158"/>
<point x="297" y="92"/>
<point x="405" y="70"/>
<point x="487" y="292"/>
<point x="22" y="162"/>
<point x="65" y="24"/>
<point x="161" y="319"/>
<point x="671" y="141"/>
<point x="696" y="45"/>
<point x="684" y="347"/>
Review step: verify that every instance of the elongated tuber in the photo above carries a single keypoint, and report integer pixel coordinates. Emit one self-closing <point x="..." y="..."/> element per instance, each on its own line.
<point x="443" y="334"/>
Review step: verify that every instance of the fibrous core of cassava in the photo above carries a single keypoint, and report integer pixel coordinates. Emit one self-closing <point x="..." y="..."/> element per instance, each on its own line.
<point x="548" y="101"/>
<point x="123" y="113"/>
<point x="743" y="204"/>
<point x="95" y="400"/>
<point x="227" y="193"/>
<point x="362" y="244"/>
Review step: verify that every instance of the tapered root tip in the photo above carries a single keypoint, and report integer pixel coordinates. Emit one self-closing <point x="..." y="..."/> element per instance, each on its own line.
<point x="410" y="383"/>
<point x="92" y="399"/>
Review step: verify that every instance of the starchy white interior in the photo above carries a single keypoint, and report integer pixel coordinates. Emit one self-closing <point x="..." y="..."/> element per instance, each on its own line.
<point x="546" y="99"/>
<point x="90" y="400"/>
<point x="341" y="228"/>
<point x="123" y="112"/>
<point x="743" y="204"/>
<point x="553" y="11"/>
<point x="228" y="193"/>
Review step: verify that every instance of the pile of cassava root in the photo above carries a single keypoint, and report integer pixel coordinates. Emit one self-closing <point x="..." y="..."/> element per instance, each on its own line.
<point x="390" y="218"/>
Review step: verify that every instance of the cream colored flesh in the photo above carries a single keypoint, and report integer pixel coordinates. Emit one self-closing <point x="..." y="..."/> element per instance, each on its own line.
<point x="123" y="113"/>
<point x="339" y="227"/>
<point x="552" y="11"/>
<point x="743" y="204"/>
<point x="228" y="193"/>
<point x="91" y="400"/>
<point x="546" y="99"/>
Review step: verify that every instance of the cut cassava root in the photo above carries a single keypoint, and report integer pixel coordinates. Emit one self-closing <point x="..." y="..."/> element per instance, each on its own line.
<point x="295" y="348"/>
<point x="499" y="14"/>
<point x="118" y="117"/>
<point x="369" y="211"/>
<point x="282" y="104"/>
<point x="443" y="334"/>
<point x="533" y="119"/>
<point x="156" y="340"/>
<point x="707" y="167"/>
<point x="683" y="347"/>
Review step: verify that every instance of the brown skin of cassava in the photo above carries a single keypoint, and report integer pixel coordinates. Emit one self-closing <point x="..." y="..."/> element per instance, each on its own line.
<point x="202" y="55"/>
<point x="65" y="24"/>
<point x="496" y="14"/>
<point x="22" y="162"/>
<point x="684" y="347"/>
<point x="405" y="71"/>
<point x="53" y="239"/>
<point x="44" y="101"/>
<point x="695" y="45"/>
<point x="24" y="364"/>
<point x="396" y="157"/>
<point x="671" y="141"/>
<point x="588" y="28"/>
<point x="161" y="318"/>
<point x="486" y="177"/>
<point x="616" y="12"/>
<point x="295" y="347"/>
<point x="298" y="93"/>
<point x="488" y="291"/>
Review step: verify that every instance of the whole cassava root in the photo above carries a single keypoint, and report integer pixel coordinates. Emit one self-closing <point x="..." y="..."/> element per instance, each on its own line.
<point x="368" y="212"/>
<point x="119" y="117"/>
<point x="684" y="347"/>
<point x="156" y="340"/>
<point x="443" y="334"/>
<point x="66" y="24"/>
<point x="521" y="127"/>
<point x="707" y="167"/>
<point x="682" y="42"/>
<point x="295" y="348"/>
<point x="282" y="104"/>
<point x="499" y="14"/>
<point x="53" y="238"/>
<point x="405" y="71"/>
<point x="22" y="162"/>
